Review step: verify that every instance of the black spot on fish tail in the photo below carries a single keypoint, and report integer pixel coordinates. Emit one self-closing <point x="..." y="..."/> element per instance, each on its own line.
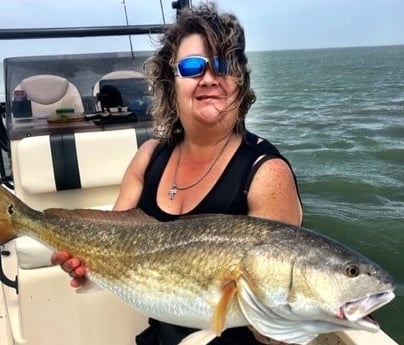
<point x="10" y="209"/>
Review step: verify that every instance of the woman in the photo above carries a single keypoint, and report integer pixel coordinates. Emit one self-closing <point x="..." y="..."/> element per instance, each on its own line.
<point x="203" y="160"/>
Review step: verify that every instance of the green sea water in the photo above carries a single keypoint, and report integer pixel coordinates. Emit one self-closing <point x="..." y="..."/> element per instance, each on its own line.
<point x="338" y="116"/>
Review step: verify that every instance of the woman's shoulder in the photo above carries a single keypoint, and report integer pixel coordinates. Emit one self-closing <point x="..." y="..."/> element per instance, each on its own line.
<point x="148" y="146"/>
<point x="144" y="153"/>
<point x="260" y="146"/>
<point x="132" y="182"/>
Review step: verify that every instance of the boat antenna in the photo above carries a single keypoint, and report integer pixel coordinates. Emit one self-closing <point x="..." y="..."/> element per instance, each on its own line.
<point x="162" y="11"/>
<point x="129" y="36"/>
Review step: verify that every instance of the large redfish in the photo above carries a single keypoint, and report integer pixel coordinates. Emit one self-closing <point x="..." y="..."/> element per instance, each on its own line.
<point x="214" y="271"/>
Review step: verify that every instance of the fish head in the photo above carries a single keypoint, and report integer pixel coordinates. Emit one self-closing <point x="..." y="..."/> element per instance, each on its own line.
<point x="342" y="288"/>
<point x="294" y="297"/>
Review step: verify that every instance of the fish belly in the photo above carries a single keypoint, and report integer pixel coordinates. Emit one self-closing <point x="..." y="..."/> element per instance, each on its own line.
<point x="188" y="307"/>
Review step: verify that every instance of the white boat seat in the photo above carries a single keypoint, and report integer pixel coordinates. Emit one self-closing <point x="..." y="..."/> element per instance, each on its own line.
<point x="121" y="74"/>
<point x="114" y="76"/>
<point x="67" y="161"/>
<point x="50" y="92"/>
<point x="32" y="254"/>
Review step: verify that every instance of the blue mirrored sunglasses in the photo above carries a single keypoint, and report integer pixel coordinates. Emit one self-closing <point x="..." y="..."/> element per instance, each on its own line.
<point x="195" y="66"/>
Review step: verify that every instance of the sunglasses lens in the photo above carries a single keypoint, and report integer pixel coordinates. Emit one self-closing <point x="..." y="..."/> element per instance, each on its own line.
<point x="219" y="66"/>
<point x="192" y="66"/>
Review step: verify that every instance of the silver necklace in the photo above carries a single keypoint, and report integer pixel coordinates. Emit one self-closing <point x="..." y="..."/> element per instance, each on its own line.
<point x="175" y="187"/>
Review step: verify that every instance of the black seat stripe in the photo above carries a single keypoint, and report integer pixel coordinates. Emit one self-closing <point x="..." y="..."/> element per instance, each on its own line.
<point x="65" y="164"/>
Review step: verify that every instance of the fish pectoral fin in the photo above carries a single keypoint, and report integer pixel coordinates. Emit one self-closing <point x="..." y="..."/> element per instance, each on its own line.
<point x="202" y="337"/>
<point x="229" y="290"/>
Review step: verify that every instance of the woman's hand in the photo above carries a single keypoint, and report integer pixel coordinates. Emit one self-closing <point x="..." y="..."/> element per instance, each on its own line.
<point x="71" y="265"/>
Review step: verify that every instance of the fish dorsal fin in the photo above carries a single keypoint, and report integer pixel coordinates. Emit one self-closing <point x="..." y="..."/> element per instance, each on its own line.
<point x="123" y="217"/>
<point x="228" y="290"/>
<point x="202" y="216"/>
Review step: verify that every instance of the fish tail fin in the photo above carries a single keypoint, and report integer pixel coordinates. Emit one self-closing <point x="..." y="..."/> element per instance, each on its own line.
<point x="10" y="205"/>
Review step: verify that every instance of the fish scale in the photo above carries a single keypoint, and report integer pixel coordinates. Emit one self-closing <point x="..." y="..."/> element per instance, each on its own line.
<point x="214" y="271"/>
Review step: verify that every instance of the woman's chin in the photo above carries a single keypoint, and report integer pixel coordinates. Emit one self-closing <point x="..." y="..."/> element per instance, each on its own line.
<point x="210" y="119"/>
<point x="210" y="115"/>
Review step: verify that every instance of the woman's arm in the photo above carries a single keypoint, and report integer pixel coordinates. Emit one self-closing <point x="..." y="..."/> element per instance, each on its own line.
<point x="132" y="182"/>
<point x="273" y="193"/>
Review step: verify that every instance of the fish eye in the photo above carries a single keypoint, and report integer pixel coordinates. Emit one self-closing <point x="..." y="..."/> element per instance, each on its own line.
<point x="352" y="270"/>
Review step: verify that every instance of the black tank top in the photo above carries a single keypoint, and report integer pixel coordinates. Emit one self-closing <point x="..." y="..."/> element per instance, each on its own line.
<point x="228" y="196"/>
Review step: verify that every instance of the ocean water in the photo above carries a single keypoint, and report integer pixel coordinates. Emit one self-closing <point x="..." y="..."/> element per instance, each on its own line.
<point x="338" y="116"/>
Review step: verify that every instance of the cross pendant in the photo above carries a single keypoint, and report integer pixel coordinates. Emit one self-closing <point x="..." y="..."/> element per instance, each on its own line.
<point x="172" y="191"/>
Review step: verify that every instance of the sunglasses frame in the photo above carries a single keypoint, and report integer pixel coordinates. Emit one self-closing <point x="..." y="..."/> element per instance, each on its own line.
<point x="207" y="63"/>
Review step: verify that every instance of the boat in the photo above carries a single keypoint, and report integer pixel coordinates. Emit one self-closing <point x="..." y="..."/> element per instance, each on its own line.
<point x="71" y="123"/>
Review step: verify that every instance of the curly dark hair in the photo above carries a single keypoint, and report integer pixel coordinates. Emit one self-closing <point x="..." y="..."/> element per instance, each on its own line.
<point x="224" y="37"/>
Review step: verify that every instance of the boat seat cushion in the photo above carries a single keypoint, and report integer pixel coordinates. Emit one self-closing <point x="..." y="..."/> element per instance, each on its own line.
<point x="51" y="92"/>
<point x="128" y="75"/>
<point x="45" y="89"/>
<point x="51" y="163"/>
<point x="32" y="254"/>
<point x="120" y="74"/>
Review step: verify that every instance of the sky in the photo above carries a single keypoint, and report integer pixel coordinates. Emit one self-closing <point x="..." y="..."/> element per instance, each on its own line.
<point x="269" y="24"/>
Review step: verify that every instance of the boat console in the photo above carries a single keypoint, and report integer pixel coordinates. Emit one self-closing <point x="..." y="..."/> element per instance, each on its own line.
<point x="74" y="122"/>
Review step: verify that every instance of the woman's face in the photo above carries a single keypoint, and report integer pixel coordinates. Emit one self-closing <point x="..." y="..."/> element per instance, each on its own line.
<point x="208" y="98"/>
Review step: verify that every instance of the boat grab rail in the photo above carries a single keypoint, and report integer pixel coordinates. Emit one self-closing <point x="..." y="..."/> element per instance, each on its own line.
<point x="94" y="31"/>
<point x="3" y="278"/>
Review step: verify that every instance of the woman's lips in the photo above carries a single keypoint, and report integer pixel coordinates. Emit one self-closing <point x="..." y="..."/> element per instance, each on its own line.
<point x="203" y="97"/>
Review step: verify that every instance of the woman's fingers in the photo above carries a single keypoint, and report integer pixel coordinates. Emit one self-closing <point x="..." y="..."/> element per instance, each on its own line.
<point x="71" y="265"/>
<point x="59" y="257"/>
<point x="77" y="282"/>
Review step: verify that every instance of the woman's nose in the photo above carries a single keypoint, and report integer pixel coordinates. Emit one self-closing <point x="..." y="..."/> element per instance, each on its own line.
<point x="209" y="77"/>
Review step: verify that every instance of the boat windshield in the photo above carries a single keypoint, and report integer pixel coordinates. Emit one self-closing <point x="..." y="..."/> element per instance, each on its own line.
<point x="84" y="71"/>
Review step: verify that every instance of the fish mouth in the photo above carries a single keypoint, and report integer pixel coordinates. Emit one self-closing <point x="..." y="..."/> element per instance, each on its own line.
<point x="358" y="311"/>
